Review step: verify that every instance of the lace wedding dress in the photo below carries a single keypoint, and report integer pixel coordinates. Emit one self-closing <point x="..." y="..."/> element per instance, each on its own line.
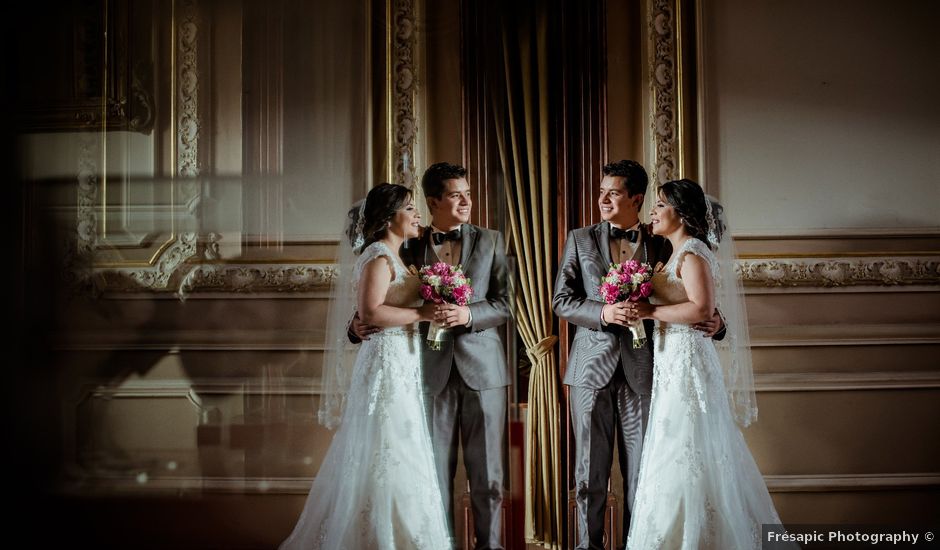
<point x="698" y="487"/>
<point x="377" y="487"/>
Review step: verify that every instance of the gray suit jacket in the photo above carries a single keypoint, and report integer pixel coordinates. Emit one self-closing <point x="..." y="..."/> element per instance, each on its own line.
<point x="477" y="351"/>
<point x="598" y="349"/>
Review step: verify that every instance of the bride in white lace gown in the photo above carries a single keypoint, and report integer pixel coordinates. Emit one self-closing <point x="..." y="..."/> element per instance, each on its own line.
<point x="699" y="487"/>
<point x="377" y="487"/>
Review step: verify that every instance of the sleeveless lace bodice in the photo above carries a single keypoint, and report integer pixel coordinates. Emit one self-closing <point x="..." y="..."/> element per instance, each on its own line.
<point x="698" y="484"/>
<point x="667" y="285"/>
<point x="403" y="291"/>
<point x="377" y="487"/>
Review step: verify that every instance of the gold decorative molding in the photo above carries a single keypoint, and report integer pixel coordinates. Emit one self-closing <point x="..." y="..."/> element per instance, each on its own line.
<point x="851" y="482"/>
<point x="258" y="278"/>
<point x="158" y="277"/>
<point x="405" y="73"/>
<point x="187" y="90"/>
<point x="157" y="272"/>
<point x="841" y="234"/>
<point x="88" y="169"/>
<point x="664" y="106"/>
<point x="835" y="272"/>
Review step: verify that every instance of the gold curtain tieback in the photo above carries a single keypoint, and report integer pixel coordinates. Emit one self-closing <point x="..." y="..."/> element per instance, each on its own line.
<point x="540" y="350"/>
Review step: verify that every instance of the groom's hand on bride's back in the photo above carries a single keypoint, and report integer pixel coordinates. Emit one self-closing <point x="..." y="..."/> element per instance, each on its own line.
<point x="357" y="331"/>
<point x="712" y="328"/>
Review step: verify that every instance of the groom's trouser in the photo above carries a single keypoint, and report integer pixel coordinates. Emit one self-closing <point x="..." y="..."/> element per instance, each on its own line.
<point x="597" y="418"/>
<point x="480" y="419"/>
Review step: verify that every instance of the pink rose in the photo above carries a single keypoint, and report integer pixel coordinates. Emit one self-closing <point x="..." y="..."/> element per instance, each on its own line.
<point x="609" y="292"/>
<point x="430" y="295"/>
<point x="462" y="295"/>
<point x="427" y="292"/>
<point x="646" y="289"/>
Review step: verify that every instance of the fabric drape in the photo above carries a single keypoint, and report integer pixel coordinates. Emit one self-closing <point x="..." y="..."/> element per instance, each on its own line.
<point x="523" y="140"/>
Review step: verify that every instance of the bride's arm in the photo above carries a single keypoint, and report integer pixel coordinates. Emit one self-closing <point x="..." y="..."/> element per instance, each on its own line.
<point x="373" y="285"/>
<point x="699" y="287"/>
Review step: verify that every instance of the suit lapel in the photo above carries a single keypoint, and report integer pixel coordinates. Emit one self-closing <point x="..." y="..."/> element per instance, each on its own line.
<point x="644" y="252"/>
<point x="601" y="233"/>
<point x="468" y="239"/>
<point x="426" y="252"/>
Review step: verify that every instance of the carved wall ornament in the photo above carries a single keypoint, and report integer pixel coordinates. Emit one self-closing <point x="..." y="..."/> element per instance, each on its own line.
<point x="108" y="81"/>
<point x="180" y="246"/>
<point x="405" y="91"/>
<point x="258" y="278"/>
<point x="840" y="272"/>
<point x="88" y="169"/>
<point x="158" y="277"/>
<point x="662" y="28"/>
<point x="187" y="123"/>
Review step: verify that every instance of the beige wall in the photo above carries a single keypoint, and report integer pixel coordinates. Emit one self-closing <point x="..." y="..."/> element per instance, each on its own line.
<point x="627" y="130"/>
<point x="820" y="136"/>
<point x="822" y="115"/>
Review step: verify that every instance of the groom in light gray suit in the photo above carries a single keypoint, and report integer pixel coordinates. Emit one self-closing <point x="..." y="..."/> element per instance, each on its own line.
<point x="610" y="381"/>
<point x="465" y="381"/>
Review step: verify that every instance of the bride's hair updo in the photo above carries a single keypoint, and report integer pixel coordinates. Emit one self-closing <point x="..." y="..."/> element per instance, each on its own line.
<point x="381" y="204"/>
<point x="688" y="200"/>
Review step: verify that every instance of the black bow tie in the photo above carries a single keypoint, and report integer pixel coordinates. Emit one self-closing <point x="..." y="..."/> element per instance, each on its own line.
<point x="630" y="234"/>
<point x="438" y="238"/>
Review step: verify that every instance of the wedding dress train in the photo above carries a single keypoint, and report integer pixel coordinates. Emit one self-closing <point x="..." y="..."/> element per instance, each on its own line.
<point x="699" y="487"/>
<point x="377" y="487"/>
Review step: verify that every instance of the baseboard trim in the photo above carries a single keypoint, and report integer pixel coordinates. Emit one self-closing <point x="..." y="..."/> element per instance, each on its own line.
<point x="851" y="482"/>
<point x="807" y="483"/>
<point x="845" y="381"/>
<point x="845" y="335"/>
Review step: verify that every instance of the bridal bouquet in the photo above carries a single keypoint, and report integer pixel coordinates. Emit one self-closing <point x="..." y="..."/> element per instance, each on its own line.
<point x="443" y="283"/>
<point x="630" y="280"/>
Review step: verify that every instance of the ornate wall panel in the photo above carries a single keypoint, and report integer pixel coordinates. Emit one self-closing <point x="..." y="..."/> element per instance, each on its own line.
<point x="841" y="272"/>
<point x="183" y="246"/>
<point x="405" y="96"/>
<point x="664" y="104"/>
<point x="151" y="261"/>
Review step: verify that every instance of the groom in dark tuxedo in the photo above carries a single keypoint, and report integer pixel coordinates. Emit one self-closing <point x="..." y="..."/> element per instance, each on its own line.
<point x="609" y="380"/>
<point x="465" y="381"/>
